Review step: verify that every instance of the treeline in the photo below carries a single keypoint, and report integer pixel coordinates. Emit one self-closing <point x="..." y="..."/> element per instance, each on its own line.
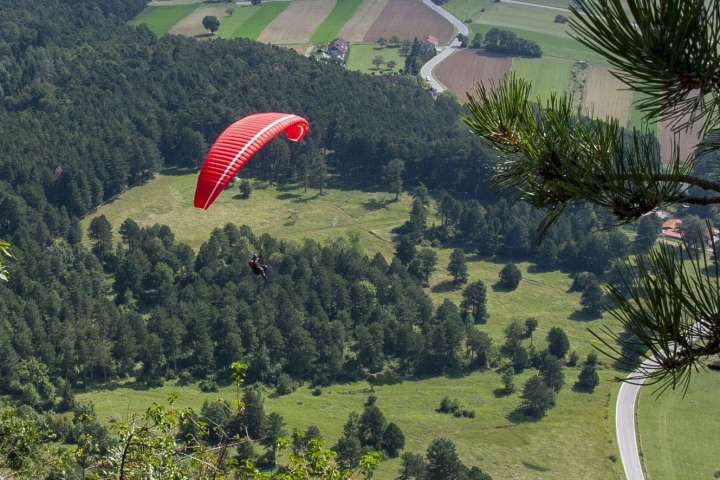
<point x="508" y="43"/>
<point x="91" y="106"/>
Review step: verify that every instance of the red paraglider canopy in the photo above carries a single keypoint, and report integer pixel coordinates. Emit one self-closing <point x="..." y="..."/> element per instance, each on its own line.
<point x="237" y="144"/>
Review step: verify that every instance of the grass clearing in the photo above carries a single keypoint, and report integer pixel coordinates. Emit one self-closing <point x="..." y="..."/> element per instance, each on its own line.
<point x="361" y="57"/>
<point x="356" y="28"/>
<point x="547" y="75"/>
<point x="297" y="22"/>
<point x="575" y="439"/>
<point x="677" y="434"/>
<point x="330" y="27"/>
<point x="287" y="213"/>
<point x="160" y="20"/>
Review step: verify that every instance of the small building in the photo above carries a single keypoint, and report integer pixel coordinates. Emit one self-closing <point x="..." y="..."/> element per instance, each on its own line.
<point x="430" y="39"/>
<point x="337" y="47"/>
<point x="671" y="229"/>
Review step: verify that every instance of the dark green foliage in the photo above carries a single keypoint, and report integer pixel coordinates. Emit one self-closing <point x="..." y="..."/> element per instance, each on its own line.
<point x="592" y="298"/>
<point x="558" y="343"/>
<point x="537" y="397"/>
<point x="560" y="19"/>
<point x="506" y="42"/>
<point x="477" y="41"/>
<point x="474" y="303"/>
<point x="371" y="426"/>
<point x="592" y="359"/>
<point x="393" y="440"/>
<point x="551" y="372"/>
<point x="588" y="377"/>
<point x="253" y="418"/>
<point x="510" y="276"/>
<point x="414" y="466"/>
<point x="573" y="359"/>
<point x="443" y="461"/>
<point x="458" y="266"/>
<point x="211" y="23"/>
<point x="245" y="189"/>
<point x="508" y="381"/>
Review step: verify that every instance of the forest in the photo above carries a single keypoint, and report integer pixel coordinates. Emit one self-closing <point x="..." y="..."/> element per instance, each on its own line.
<point x="91" y="107"/>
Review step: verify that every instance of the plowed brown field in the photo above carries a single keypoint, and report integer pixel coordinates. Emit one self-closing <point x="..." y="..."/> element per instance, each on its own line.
<point x="687" y="140"/>
<point x="356" y="28"/>
<point x="297" y="23"/>
<point x="464" y="69"/>
<point x="409" y="19"/>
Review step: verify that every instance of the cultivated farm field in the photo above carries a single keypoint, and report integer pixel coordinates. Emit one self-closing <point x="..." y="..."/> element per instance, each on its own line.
<point x="192" y="26"/>
<point x="344" y="10"/>
<point x="297" y="23"/>
<point x="161" y="19"/>
<point x="606" y="95"/>
<point x="547" y="75"/>
<point x="409" y="19"/>
<point x="463" y="70"/>
<point x="364" y="17"/>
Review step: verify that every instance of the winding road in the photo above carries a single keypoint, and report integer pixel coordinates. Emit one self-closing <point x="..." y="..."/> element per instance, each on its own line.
<point x="625" y="421"/>
<point x="627" y="396"/>
<point x="426" y="70"/>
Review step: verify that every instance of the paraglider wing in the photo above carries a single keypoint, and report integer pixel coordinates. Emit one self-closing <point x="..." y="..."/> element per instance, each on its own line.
<point x="237" y="144"/>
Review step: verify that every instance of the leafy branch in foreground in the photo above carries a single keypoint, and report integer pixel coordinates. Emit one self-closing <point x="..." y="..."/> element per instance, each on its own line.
<point x="667" y="50"/>
<point x="671" y="305"/>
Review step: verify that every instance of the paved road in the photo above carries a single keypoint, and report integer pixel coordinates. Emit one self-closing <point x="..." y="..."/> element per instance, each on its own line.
<point x="625" y="422"/>
<point x="427" y="69"/>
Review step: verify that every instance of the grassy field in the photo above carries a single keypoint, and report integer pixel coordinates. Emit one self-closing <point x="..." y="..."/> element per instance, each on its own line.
<point x="286" y="213"/>
<point x="546" y="74"/>
<point x="531" y="19"/>
<point x="361" y="57"/>
<point x="678" y="434"/>
<point x="575" y="440"/>
<point x="329" y="28"/>
<point x="161" y="19"/>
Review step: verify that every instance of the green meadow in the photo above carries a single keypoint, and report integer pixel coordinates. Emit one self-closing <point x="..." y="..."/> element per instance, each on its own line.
<point x="161" y="19"/>
<point x="330" y="27"/>
<point x="547" y="75"/>
<point x="361" y="57"/>
<point x="287" y="213"/>
<point x="575" y="439"/>
<point x="679" y="435"/>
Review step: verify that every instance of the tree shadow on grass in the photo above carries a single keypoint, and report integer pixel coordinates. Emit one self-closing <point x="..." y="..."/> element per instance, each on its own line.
<point x="502" y="288"/>
<point x="177" y="171"/>
<point x="500" y="393"/>
<point x="518" y="416"/>
<point x="582" y="388"/>
<point x="289" y="196"/>
<point x="583" y="315"/>
<point x="445" y="286"/>
<point x="374" y="204"/>
<point x="533" y="466"/>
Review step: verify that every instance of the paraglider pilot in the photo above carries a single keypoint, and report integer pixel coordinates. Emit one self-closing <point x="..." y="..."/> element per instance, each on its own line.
<point x="257" y="266"/>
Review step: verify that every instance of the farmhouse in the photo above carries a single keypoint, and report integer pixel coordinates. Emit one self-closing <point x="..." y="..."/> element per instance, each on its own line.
<point x="671" y="229"/>
<point x="337" y="47"/>
<point x="430" y="39"/>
